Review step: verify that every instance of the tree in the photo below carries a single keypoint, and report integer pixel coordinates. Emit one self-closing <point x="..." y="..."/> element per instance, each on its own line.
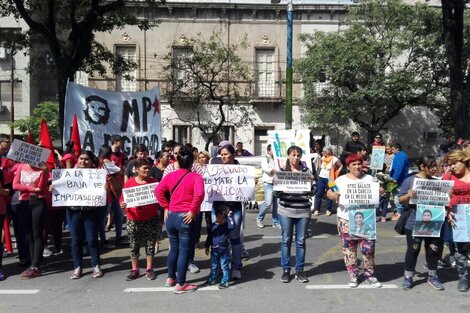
<point x="388" y="57"/>
<point x="209" y="82"/>
<point x="47" y="110"/>
<point x="68" y="28"/>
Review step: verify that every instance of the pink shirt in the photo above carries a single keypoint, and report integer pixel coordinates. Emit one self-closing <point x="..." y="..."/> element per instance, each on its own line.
<point x="27" y="180"/>
<point x="188" y="196"/>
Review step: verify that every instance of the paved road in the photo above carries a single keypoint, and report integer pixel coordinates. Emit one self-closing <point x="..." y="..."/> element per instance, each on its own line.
<point x="259" y="290"/>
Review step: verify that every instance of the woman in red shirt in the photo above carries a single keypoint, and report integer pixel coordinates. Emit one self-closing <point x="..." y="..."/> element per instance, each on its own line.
<point x="142" y="222"/>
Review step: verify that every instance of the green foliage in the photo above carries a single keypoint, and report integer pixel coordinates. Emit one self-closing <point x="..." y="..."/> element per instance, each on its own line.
<point x="211" y="79"/>
<point x="47" y="110"/>
<point x="389" y="56"/>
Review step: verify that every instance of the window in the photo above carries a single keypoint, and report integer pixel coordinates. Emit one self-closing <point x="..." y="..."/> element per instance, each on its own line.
<point x="127" y="80"/>
<point x="5" y="91"/>
<point x="81" y="78"/>
<point x="179" y="54"/>
<point x="182" y="134"/>
<point x="261" y="139"/>
<point x="265" y="72"/>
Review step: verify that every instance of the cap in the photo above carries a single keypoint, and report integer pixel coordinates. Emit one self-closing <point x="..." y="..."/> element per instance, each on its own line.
<point x="224" y="143"/>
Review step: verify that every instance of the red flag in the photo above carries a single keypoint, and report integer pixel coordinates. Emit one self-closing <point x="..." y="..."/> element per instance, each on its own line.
<point x="46" y="142"/>
<point x="75" y="136"/>
<point x="30" y="137"/>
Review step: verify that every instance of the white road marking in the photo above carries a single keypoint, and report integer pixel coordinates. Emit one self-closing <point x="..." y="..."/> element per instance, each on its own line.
<point x="19" y="291"/>
<point x="166" y="289"/>
<point x="279" y="237"/>
<point x="366" y="286"/>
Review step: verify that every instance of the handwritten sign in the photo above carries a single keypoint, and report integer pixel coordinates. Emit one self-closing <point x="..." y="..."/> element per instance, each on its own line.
<point x="227" y="182"/>
<point x="432" y="191"/>
<point x="139" y="195"/>
<point x="360" y="194"/>
<point x="78" y="187"/>
<point x="24" y="152"/>
<point x="377" y="158"/>
<point x="292" y="181"/>
<point x="461" y="231"/>
<point x="281" y="140"/>
<point x="362" y="223"/>
<point x="429" y="220"/>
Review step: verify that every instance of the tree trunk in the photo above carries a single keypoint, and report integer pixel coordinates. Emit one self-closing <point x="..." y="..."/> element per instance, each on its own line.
<point x="452" y="13"/>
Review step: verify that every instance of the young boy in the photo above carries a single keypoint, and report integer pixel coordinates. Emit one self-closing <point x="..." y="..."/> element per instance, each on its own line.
<point x="217" y="240"/>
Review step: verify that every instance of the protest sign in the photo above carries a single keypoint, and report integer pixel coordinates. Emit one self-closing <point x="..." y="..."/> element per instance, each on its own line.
<point x="281" y="140"/>
<point x="292" y="181"/>
<point x="101" y="113"/>
<point x="24" y="152"/>
<point x="359" y="194"/>
<point x="362" y="223"/>
<point x="139" y="195"/>
<point x="461" y="230"/>
<point x="377" y="158"/>
<point x="227" y="182"/>
<point x="79" y="187"/>
<point x="430" y="191"/>
<point x="429" y="220"/>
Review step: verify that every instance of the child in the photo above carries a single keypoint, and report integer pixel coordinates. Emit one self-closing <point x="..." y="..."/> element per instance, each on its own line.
<point x="217" y="239"/>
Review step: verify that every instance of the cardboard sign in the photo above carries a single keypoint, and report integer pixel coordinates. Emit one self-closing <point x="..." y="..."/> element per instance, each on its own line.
<point x="429" y="220"/>
<point x="281" y="140"/>
<point x="377" y="158"/>
<point x="430" y="191"/>
<point x="79" y="187"/>
<point x="139" y="195"/>
<point x="292" y="181"/>
<point x="360" y="194"/>
<point x="461" y="230"/>
<point x="229" y="182"/>
<point x="24" y="152"/>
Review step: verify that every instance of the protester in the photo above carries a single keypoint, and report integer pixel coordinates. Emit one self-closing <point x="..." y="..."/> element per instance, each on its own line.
<point x="433" y="245"/>
<point x="353" y="146"/>
<point x="268" y="167"/>
<point x="142" y="224"/>
<point x="388" y="157"/>
<point x="69" y="159"/>
<point x="84" y="226"/>
<point x="354" y="163"/>
<point x="329" y="169"/>
<point x="206" y="207"/>
<point x="4" y="192"/>
<point x="140" y="152"/>
<point x="377" y="142"/>
<point x="398" y="172"/>
<point x="185" y="191"/>
<point x="294" y="212"/>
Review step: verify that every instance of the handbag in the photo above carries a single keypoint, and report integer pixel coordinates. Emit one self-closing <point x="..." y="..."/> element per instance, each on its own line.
<point x="400" y="225"/>
<point x="169" y="193"/>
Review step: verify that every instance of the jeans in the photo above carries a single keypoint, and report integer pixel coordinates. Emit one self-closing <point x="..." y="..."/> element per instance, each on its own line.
<point x="269" y="199"/>
<point x="383" y="207"/>
<point x="398" y="206"/>
<point x="234" y="236"/>
<point x="322" y="187"/>
<point x="32" y="214"/>
<point x="181" y="243"/>
<point x="433" y="248"/>
<point x="287" y="228"/>
<point x="118" y="215"/>
<point x="84" y="226"/>
<point x="102" y="214"/>
<point x="220" y="257"/>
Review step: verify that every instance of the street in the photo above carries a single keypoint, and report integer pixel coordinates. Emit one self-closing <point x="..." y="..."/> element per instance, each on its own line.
<point x="259" y="290"/>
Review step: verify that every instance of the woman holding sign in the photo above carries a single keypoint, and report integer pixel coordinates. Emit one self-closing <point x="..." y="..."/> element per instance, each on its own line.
<point x="354" y="163"/>
<point x="459" y="163"/>
<point x="142" y="222"/>
<point x="294" y="211"/>
<point x="427" y="168"/>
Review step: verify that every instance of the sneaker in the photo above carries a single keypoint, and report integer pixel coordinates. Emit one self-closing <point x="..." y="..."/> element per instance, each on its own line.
<point x="434" y="282"/>
<point x="97" y="272"/>
<point x="133" y="274"/>
<point x="245" y="255"/>
<point x="170" y="282"/>
<point x="463" y="285"/>
<point x="31" y="272"/>
<point x="193" y="268"/>
<point x="236" y="275"/>
<point x="150" y="274"/>
<point x="2" y="275"/>
<point x="47" y="252"/>
<point x="353" y="283"/>
<point x="328" y="213"/>
<point x="107" y="245"/>
<point x="122" y="242"/>
<point x="444" y="264"/>
<point x="259" y="223"/>
<point x="285" y="278"/>
<point x="210" y="281"/>
<point x="407" y="282"/>
<point x="300" y="276"/>
<point x="278" y="226"/>
<point x="223" y="284"/>
<point x="185" y="288"/>
<point x="77" y="273"/>
<point x="374" y="282"/>
<point x="316" y="213"/>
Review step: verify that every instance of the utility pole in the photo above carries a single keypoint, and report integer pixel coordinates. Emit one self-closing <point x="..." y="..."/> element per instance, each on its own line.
<point x="289" y="70"/>
<point x="12" y="98"/>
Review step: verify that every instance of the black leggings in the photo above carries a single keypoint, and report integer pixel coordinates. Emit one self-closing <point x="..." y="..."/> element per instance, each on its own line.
<point x="2" y="219"/>
<point x="33" y="219"/>
<point x="433" y="248"/>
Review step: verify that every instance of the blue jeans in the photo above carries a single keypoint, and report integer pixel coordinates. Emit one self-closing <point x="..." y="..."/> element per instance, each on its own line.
<point x="287" y="228"/>
<point x="118" y="215"/>
<point x="269" y="199"/>
<point x="181" y="243"/>
<point x="322" y="187"/>
<point x="84" y="226"/>
<point x="398" y="206"/>
<point x="102" y="213"/>
<point x="220" y="257"/>
<point x="235" y="238"/>
<point x="383" y="207"/>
